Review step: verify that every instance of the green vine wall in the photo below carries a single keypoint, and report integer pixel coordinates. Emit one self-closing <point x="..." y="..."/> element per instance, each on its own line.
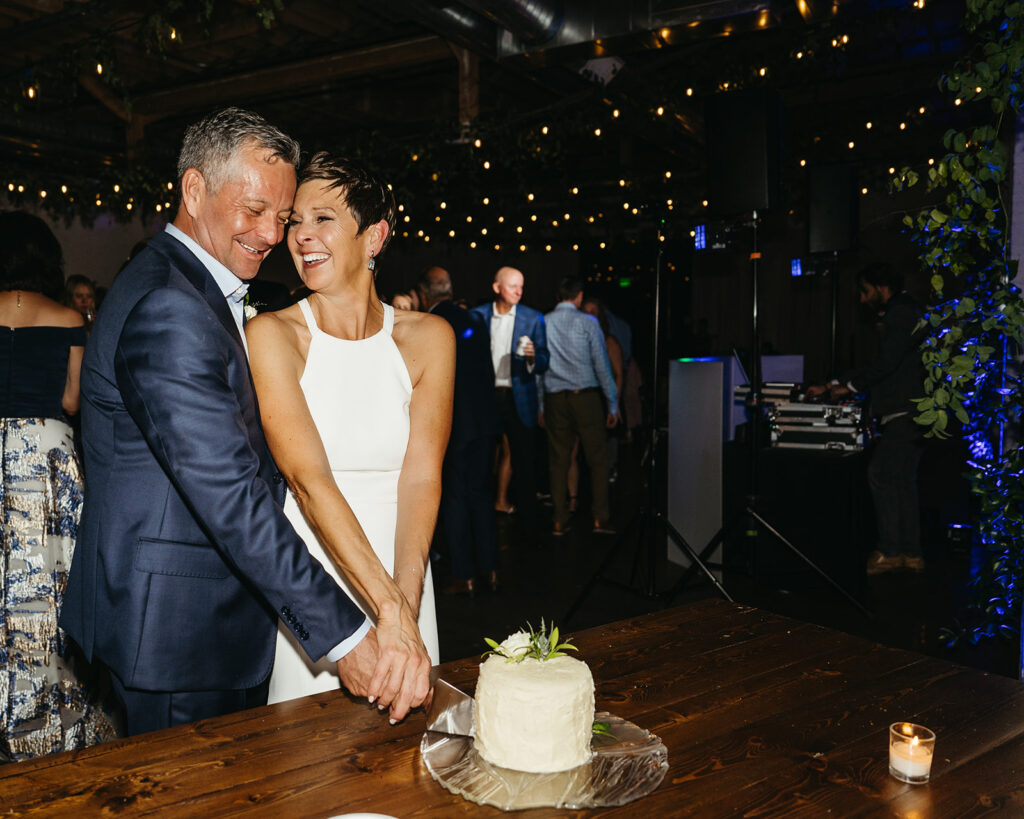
<point x="973" y="385"/>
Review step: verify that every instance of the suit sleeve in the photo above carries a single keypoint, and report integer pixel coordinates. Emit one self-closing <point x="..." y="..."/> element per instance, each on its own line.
<point x="173" y="366"/>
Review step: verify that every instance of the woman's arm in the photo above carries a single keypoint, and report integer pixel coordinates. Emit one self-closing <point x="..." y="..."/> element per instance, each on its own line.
<point x="294" y="441"/>
<point x="428" y="348"/>
<point x="71" y="399"/>
<point x="615" y="357"/>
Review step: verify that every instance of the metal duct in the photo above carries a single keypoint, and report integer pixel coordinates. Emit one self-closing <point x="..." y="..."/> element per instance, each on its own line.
<point x="532" y="22"/>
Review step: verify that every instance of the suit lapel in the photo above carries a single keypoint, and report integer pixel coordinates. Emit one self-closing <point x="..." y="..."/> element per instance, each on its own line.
<point x="200" y="278"/>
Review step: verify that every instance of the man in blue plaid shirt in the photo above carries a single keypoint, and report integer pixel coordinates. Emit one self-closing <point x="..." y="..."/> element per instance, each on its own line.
<point x="579" y="400"/>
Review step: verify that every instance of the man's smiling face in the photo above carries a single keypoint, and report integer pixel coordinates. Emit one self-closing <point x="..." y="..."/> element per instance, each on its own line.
<point x="240" y="222"/>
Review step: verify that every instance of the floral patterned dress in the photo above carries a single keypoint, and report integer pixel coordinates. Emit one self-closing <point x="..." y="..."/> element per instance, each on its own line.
<point x="48" y="698"/>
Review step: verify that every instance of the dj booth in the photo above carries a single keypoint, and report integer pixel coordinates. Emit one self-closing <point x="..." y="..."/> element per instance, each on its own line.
<point x="818" y="499"/>
<point x="812" y="482"/>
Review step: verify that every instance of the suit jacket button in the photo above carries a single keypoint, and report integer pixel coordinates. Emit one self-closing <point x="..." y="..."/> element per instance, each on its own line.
<point x="277" y="477"/>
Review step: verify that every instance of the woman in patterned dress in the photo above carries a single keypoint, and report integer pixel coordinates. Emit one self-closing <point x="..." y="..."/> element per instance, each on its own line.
<point x="44" y="706"/>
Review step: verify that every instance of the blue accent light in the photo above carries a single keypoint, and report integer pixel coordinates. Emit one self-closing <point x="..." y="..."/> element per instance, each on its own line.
<point x="700" y="237"/>
<point x="795" y="268"/>
<point x="467" y="333"/>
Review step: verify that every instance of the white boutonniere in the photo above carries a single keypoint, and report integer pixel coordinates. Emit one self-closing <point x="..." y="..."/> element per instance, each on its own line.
<point x="248" y="310"/>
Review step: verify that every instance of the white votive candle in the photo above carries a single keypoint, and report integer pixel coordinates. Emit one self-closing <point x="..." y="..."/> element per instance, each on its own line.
<point x="911" y="748"/>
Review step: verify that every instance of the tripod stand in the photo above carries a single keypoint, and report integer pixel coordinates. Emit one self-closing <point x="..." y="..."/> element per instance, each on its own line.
<point x="648" y="516"/>
<point x="750" y="518"/>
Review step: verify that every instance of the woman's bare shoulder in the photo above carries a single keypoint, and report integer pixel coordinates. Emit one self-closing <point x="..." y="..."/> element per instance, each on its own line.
<point x="277" y="328"/>
<point x="417" y="328"/>
<point x="58" y="315"/>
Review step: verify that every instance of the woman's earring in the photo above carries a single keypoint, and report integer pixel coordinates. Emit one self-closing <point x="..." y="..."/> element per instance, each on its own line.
<point x="371" y="265"/>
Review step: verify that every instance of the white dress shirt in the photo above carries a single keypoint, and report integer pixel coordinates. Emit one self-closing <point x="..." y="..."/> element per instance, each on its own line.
<point x="502" y="328"/>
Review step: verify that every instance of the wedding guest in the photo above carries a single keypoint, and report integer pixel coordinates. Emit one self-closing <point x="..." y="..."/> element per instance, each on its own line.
<point x="45" y="702"/>
<point x="186" y="560"/>
<point x="467" y="511"/>
<point x="580" y="399"/>
<point x="519" y="353"/>
<point x="402" y="301"/>
<point x="80" y="295"/>
<point x="356" y="401"/>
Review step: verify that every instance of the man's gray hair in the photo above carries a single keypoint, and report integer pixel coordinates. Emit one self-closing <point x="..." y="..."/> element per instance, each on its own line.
<point x="211" y="144"/>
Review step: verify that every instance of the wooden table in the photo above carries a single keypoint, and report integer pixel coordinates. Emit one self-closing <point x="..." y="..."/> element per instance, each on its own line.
<point x="762" y="716"/>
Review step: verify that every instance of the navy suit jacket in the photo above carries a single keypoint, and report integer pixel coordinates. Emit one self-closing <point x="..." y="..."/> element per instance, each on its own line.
<point x="184" y="558"/>
<point x="474" y="413"/>
<point x="529" y="322"/>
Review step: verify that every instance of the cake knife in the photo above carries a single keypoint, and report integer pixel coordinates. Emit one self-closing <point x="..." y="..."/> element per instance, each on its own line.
<point x="450" y="710"/>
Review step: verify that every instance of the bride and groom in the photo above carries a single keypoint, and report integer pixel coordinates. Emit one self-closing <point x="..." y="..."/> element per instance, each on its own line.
<point x="186" y="565"/>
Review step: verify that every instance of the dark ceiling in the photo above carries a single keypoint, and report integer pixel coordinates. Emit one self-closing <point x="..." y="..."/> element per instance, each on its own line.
<point x="95" y="89"/>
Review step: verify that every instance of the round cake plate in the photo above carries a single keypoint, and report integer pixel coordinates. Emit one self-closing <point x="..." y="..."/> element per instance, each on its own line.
<point x="626" y="766"/>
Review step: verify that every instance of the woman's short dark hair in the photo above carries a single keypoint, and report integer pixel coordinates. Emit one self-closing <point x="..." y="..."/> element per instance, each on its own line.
<point x="365" y="194"/>
<point x="32" y="258"/>
<point x="72" y="284"/>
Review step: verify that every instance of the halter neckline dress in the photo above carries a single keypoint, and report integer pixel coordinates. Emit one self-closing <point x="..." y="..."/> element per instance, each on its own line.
<point x="358" y="392"/>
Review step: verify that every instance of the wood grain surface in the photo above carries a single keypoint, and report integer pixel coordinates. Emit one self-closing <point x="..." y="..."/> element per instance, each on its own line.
<point x="762" y="716"/>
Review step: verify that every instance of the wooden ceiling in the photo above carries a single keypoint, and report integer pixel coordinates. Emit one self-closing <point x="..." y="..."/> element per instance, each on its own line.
<point x="326" y="70"/>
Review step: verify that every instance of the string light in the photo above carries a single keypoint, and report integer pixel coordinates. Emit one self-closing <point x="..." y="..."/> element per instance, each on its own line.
<point x="763" y="71"/>
<point x="867" y="125"/>
<point x="529" y="197"/>
<point x="803" y="163"/>
<point x="63" y="188"/>
<point x="544" y="130"/>
<point x="850" y="144"/>
<point x="477" y="143"/>
<point x="473" y="245"/>
<point x="99" y="68"/>
<point x="575" y="191"/>
<point x="174" y="33"/>
<point x="615" y="113"/>
<point x="597" y="132"/>
<point x="903" y="126"/>
<point x="31" y="92"/>
<point x="660" y="110"/>
<point x="486" y="200"/>
<point x="444" y="205"/>
<point x="864" y="191"/>
<point x="689" y="92"/>
<point x="42" y="194"/>
<point x="920" y="110"/>
<point x="487" y="165"/>
<point x="668" y="174"/>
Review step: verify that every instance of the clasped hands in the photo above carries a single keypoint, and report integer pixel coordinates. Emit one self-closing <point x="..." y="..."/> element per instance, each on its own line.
<point x="390" y="665"/>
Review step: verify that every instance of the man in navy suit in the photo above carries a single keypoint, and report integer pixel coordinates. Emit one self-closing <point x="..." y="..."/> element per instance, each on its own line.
<point x="467" y="510"/>
<point x="185" y="559"/>
<point x="519" y="352"/>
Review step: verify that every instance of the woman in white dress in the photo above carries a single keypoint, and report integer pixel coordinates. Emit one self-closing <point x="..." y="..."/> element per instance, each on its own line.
<point x="356" y="402"/>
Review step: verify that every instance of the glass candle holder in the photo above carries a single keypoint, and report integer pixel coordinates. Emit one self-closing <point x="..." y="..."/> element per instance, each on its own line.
<point x="911" y="748"/>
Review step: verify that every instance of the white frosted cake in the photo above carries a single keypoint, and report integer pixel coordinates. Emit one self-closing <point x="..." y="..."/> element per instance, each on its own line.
<point x="532" y="714"/>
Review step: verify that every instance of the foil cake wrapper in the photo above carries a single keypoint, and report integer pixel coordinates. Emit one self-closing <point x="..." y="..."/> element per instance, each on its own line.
<point x="627" y="765"/>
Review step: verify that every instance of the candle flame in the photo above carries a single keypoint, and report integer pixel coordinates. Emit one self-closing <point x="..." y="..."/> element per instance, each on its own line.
<point x="913" y="743"/>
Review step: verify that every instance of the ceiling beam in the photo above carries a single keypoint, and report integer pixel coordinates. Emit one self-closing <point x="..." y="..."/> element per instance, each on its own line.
<point x="302" y="74"/>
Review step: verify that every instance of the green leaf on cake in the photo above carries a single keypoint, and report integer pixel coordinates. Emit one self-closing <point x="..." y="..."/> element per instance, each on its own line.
<point x="603" y="729"/>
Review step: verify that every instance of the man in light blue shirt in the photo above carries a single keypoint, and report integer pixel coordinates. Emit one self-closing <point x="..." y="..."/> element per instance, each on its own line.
<point x="580" y="399"/>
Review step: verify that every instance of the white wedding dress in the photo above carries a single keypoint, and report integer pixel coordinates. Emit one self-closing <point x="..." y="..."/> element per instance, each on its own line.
<point x="358" y="393"/>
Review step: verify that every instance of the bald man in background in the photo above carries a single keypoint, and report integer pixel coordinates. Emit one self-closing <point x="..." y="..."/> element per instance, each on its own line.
<point x="519" y="353"/>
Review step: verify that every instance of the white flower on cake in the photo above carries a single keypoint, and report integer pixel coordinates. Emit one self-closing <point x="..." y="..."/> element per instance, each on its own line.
<point x="537" y="645"/>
